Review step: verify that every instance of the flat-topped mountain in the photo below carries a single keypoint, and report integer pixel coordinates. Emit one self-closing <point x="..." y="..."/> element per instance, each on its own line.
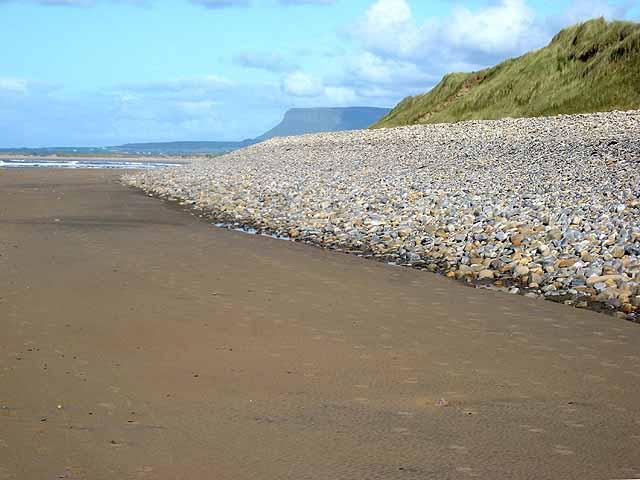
<point x="298" y="121"/>
<point x="590" y="67"/>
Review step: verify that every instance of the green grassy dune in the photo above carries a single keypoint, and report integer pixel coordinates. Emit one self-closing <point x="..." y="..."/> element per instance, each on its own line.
<point x="593" y="66"/>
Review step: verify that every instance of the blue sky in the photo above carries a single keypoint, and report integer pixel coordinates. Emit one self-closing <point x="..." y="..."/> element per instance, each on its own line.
<point x="105" y="72"/>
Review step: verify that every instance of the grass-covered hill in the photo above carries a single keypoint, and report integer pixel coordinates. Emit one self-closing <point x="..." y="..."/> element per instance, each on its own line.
<point x="593" y="66"/>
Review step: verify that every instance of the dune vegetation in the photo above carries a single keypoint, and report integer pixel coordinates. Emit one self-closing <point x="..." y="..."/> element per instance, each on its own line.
<point x="590" y="67"/>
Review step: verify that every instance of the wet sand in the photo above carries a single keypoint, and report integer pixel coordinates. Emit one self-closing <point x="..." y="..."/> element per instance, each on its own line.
<point x="140" y="342"/>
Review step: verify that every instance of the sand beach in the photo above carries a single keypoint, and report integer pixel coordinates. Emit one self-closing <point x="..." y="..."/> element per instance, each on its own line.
<point x="140" y="341"/>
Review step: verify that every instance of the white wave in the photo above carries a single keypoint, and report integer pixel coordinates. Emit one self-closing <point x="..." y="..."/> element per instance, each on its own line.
<point x="93" y="164"/>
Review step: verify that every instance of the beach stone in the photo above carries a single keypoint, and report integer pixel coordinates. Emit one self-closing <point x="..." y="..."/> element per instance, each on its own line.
<point x="293" y="233"/>
<point x="618" y="251"/>
<point x="585" y="256"/>
<point x="554" y="234"/>
<point x="529" y="199"/>
<point x="536" y="279"/>
<point x="544" y="250"/>
<point x="501" y="236"/>
<point x="628" y="308"/>
<point x="603" y="279"/>
<point x="486" y="275"/>
<point x="567" y="262"/>
<point x="517" y="239"/>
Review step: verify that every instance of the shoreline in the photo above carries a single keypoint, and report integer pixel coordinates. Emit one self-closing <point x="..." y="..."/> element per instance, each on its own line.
<point x="228" y="223"/>
<point x="477" y="201"/>
<point x="106" y="158"/>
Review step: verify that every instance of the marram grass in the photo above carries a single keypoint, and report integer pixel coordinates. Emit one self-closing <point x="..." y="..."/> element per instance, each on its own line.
<point x="590" y="67"/>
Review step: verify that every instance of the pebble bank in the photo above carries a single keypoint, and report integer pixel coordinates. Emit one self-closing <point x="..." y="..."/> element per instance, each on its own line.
<point x="545" y="206"/>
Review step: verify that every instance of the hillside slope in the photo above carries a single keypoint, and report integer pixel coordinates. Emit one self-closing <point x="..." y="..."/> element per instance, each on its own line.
<point x="298" y="121"/>
<point x="593" y="66"/>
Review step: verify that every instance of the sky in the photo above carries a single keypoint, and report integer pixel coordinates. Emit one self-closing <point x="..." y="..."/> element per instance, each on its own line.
<point x="107" y="72"/>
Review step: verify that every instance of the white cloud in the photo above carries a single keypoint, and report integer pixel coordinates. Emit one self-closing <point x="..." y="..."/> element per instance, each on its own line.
<point x="506" y="27"/>
<point x="337" y="96"/>
<point x="269" y="61"/>
<point x="375" y="69"/>
<point x="14" y="85"/>
<point x="581" y="10"/>
<point x="301" y="84"/>
<point x="128" y="98"/>
<point x="388" y="26"/>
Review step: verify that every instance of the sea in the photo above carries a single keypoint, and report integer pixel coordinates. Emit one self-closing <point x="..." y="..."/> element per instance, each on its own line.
<point x="83" y="163"/>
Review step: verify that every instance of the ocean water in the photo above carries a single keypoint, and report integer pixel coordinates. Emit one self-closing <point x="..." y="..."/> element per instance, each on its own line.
<point x="251" y="231"/>
<point x="82" y="163"/>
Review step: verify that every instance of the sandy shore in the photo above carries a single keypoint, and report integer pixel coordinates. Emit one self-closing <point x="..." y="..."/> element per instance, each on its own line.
<point x="140" y="342"/>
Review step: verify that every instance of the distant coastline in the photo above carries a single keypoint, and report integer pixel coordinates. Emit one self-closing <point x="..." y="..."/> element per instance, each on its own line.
<point x="105" y="158"/>
<point x="296" y="121"/>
